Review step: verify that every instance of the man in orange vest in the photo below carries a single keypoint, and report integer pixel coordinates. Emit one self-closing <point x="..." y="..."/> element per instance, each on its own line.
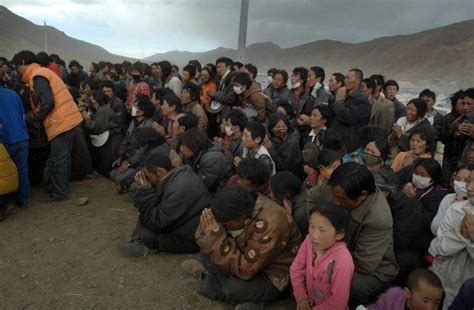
<point x="52" y="104"/>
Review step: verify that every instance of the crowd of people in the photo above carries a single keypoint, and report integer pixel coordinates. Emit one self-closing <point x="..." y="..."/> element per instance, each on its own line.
<point x="339" y="197"/>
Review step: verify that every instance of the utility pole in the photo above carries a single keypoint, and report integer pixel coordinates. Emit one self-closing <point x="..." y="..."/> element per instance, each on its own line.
<point x="244" y="14"/>
<point x="45" y="38"/>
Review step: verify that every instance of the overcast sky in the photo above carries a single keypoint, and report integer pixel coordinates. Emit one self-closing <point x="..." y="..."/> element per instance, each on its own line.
<point x="140" y="28"/>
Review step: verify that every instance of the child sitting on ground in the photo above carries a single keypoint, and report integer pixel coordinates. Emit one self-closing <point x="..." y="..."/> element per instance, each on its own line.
<point x="322" y="270"/>
<point x="423" y="290"/>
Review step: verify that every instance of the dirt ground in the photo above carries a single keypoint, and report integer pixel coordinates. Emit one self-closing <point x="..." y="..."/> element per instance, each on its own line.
<point x="64" y="256"/>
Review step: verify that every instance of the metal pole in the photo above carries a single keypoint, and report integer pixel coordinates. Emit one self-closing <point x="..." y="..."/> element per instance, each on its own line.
<point x="45" y="38"/>
<point x="244" y="14"/>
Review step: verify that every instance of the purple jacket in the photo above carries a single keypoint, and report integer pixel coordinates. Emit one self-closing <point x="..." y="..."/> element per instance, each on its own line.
<point x="393" y="299"/>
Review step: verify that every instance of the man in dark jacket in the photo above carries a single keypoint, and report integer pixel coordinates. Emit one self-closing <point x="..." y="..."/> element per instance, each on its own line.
<point x="351" y="112"/>
<point x="170" y="201"/>
<point x="76" y="74"/>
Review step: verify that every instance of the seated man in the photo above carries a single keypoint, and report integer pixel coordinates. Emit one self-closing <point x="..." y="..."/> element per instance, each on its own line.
<point x="253" y="176"/>
<point x="371" y="245"/>
<point x="246" y="248"/>
<point x="170" y="201"/>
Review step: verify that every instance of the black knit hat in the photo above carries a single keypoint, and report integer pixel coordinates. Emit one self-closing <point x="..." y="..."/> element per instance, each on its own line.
<point x="231" y="203"/>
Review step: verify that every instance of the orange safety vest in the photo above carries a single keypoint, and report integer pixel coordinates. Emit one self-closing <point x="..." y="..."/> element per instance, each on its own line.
<point x="65" y="114"/>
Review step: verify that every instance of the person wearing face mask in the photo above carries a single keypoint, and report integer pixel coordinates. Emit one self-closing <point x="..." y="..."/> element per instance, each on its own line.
<point x="255" y="104"/>
<point x="318" y="96"/>
<point x="169" y="200"/>
<point x="376" y="153"/>
<point x="426" y="186"/>
<point x="105" y="130"/>
<point x="206" y="83"/>
<point x="247" y="247"/>
<point x="270" y="74"/>
<point x="454" y="245"/>
<point x="142" y="111"/>
<point x="137" y="85"/>
<point x="351" y="110"/>
<point x="233" y="126"/>
<point x="283" y="145"/>
<point x="278" y="91"/>
<point x="458" y="185"/>
<point x="298" y="91"/>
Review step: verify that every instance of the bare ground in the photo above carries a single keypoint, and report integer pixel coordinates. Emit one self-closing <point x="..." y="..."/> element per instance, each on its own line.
<point x="64" y="256"/>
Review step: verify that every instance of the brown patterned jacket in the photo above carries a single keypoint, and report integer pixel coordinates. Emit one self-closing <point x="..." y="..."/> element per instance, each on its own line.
<point x="269" y="243"/>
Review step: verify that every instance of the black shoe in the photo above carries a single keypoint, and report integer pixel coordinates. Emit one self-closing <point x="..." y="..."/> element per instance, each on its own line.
<point x="136" y="249"/>
<point x="5" y="210"/>
<point x="23" y="203"/>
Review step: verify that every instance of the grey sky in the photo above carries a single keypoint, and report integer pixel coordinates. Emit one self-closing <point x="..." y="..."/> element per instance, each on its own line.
<point x="142" y="28"/>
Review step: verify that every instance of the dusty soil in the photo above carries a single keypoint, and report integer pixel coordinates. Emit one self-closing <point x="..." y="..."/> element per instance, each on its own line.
<point x="64" y="256"/>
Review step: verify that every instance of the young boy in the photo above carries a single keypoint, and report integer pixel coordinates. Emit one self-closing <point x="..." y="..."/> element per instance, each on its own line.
<point x="232" y="127"/>
<point x="423" y="290"/>
<point x="252" y="139"/>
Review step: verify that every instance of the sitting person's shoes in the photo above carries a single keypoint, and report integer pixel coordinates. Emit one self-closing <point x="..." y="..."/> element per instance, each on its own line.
<point x="136" y="249"/>
<point x="5" y="210"/>
<point x="250" y="306"/>
<point x="194" y="268"/>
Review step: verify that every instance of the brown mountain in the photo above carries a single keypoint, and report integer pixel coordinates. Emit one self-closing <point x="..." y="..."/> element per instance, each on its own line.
<point x="18" y="33"/>
<point x="441" y="57"/>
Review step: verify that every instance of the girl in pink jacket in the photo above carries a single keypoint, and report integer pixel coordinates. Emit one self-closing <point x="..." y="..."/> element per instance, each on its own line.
<point x="322" y="270"/>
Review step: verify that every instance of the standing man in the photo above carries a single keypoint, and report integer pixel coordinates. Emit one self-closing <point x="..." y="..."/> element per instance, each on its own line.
<point x="54" y="106"/>
<point x="14" y="135"/>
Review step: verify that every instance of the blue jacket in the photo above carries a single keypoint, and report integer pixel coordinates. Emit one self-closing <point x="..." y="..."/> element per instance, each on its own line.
<point x="12" y="124"/>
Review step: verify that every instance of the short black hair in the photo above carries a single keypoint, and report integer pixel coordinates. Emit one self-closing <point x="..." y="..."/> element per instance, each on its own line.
<point x="251" y="169"/>
<point x="238" y="64"/>
<point x="302" y="72"/>
<point x="371" y="133"/>
<point x="195" y="140"/>
<point x="191" y="70"/>
<point x="166" y="68"/>
<point x="107" y="84"/>
<point x="231" y="203"/>
<point x="432" y="167"/>
<point x="43" y="59"/>
<point x="138" y="66"/>
<point x="196" y="64"/>
<point x="188" y="121"/>
<point x="339" y="78"/>
<point x="459" y="95"/>
<point x="379" y="79"/>
<point x="419" y="274"/>
<point x="391" y="83"/>
<point x="324" y="110"/>
<point x="74" y="63"/>
<point x="193" y="89"/>
<point x="420" y="106"/>
<point x="174" y="101"/>
<point x="252" y="69"/>
<point x="332" y="140"/>
<point x="285" y="185"/>
<point x="428" y="93"/>
<point x="319" y="72"/>
<point x="384" y="148"/>
<point x="144" y="104"/>
<point x="279" y="117"/>
<point x="339" y="217"/>
<point x="283" y="73"/>
<point x="243" y="79"/>
<point x="226" y="60"/>
<point x="354" y="179"/>
<point x="370" y="84"/>
<point x="237" y="118"/>
<point x="24" y="58"/>
<point x="271" y="71"/>
<point x="469" y="93"/>
<point x="327" y="157"/>
<point x="156" y="160"/>
<point x="100" y="97"/>
<point x="358" y="72"/>
<point x="161" y="93"/>
<point x="256" y="130"/>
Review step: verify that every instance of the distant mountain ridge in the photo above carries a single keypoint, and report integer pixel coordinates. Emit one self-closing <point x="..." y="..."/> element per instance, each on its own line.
<point x="18" y="33"/>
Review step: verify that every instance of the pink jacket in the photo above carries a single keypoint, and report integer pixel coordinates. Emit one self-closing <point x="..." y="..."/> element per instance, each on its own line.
<point x="328" y="282"/>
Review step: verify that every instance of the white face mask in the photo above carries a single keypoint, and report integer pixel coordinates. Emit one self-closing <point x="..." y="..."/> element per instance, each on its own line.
<point x="228" y="131"/>
<point x="315" y="89"/>
<point x="295" y="86"/>
<point x="235" y="233"/>
<point x="270" y="79"/>
<point x="134" y="111"/>
<point x="421" y="182"/>
<point x="238" y="90"/>
<point x="460" y="189"/>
